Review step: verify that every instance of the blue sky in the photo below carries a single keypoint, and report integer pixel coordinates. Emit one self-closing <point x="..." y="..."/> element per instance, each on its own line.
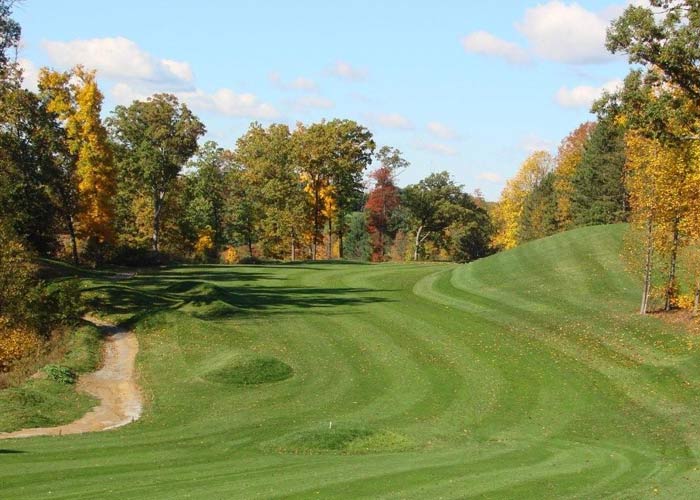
<point x="468" y="87"/>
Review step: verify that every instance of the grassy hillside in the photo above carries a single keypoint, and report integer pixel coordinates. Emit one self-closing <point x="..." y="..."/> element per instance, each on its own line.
<point x="526" y="374"/>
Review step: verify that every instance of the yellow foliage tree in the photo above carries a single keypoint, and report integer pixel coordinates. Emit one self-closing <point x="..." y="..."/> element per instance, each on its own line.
<point x="77" y="101"/>
<point x="205" y="243"/>
<point x="662" y="198"/>
<point x="507" y="213"/>
<point x="95" y="168"/>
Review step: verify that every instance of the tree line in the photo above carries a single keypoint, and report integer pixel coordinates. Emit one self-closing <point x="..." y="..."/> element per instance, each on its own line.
<point x="639" y="162"/>
<point x="139" y="186"/>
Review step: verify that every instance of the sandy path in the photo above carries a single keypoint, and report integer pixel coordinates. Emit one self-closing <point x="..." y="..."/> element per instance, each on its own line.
<point x="114" y="385"/>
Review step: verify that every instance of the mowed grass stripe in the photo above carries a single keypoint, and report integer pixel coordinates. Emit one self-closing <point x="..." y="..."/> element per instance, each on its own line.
<point x="526" y="374"/>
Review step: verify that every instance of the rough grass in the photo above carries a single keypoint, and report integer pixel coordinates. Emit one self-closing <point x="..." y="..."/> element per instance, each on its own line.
<point x="50" y="400"/>
<point x="523" y="375"/>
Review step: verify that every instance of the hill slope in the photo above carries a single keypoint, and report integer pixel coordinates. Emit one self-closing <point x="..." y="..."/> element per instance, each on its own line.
<point x="526" y="374"/>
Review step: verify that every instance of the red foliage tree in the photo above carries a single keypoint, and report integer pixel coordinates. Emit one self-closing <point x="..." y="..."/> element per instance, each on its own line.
<point x="382" y="200"/>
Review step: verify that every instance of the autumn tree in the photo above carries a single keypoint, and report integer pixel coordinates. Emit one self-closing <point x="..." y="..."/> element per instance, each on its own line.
<point x="157" y="137"/>
<point x="507" y="214"/>
<point x="383" y="197"/>
<point x="88" y="177"/>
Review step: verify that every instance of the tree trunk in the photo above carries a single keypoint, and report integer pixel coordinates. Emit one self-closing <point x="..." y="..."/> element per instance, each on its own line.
<point x="647" y="269"/>
<point x="294" y="249"/>
<point x="250" y="246"/>
<point x="73" y="239"/>
<point x="418" y="240"/>
<point x="340" y="244"/>
<point x="157" y="207"/>
<point x="671" y="284"/>
<point x="696" y="302"/>
<point x="329" y="247"/>
<point x="316" y="222"/>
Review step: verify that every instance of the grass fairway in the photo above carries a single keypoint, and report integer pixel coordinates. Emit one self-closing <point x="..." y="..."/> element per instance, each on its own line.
<point x="527" y="374"/>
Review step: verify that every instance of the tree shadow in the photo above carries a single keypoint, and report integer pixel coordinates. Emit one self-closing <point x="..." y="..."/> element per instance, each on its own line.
<point x="196" y="294"/>
<point x="10" y="452"/>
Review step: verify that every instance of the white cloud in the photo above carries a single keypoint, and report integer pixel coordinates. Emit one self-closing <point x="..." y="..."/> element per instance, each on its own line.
<point x="137" y="75"/>
<point x="344" y="70"/>
<point x="227" y="102"/>
<point x="118" y="58"/>
<point x="123" y="93"/>
<point x="299" y="83"/>
<point x="390" y="120"/>
<point x="436" y="147"/>
<point x="566" y="32"/>
<point x="307" y="102"/>
<point x="557" y="31"/>
<point x="30" y="74"/>
<point x="482" y="42"/>
<point x="224" y="101"/>
<point x="584" y="95"/>
<point x="180" y="69"/>
<point x="493" y="177"/>
<point x="442" y="131"/>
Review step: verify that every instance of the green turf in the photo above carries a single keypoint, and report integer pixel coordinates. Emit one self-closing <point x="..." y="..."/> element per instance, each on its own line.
<point x="524" y="375"/>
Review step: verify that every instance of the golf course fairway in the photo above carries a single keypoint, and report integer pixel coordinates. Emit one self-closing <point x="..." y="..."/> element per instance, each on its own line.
<point x="527" y="374"/>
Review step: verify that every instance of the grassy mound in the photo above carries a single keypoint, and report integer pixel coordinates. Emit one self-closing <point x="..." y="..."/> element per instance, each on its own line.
<point x="344" y="440"/>
<point x="217" y="309"/>
<point x="250" y="370"/>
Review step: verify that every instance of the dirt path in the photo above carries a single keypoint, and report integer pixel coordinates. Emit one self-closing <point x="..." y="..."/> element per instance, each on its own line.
<point x="114" y="385"/>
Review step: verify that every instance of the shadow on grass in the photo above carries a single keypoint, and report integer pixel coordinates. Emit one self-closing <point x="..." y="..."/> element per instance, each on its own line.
<point x="10" y="452"/>
<point x="197" y="294"/>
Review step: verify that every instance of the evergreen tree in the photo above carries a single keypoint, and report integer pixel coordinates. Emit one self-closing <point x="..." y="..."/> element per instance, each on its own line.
<point x="358" y="245"/>
<point x="599" y="195"/>
<point x="539" y="215"/>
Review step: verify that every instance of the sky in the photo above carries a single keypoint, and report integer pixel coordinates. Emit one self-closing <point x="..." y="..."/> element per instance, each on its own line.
<point x="464" y="86"/>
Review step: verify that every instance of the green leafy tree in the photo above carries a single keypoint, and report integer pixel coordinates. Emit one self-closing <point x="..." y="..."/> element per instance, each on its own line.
<point x="665" y="36"/>
<point x="271" y="206"/>
<point x="204" y="197"/>
<point x="437" y="204"/>
<point x="10" y="34"/>
<point x="332" y="157"/>
<point x="156" y="137"/>
<point x="31" y="180"/>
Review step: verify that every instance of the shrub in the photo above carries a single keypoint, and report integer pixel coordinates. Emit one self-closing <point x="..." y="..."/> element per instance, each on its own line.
<point x="60" y="374"/>
<point x="16" y="342"/>
<point x="19" y="286"/>
<point x="228" y="256"/>
<point x="65" y="303"/>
